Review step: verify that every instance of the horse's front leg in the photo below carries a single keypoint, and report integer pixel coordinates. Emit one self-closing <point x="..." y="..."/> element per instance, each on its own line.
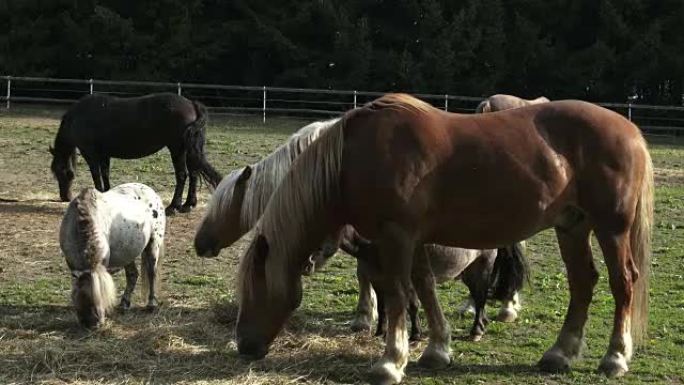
<point x="94" y="166"/>
<point x="396" y="246"/>
<point x="131" y="279"/>
<point x="365" y="309"/>
<point x="104" y="169"/>
<point x="438" y="352"/>
<point x="178" y="157"/>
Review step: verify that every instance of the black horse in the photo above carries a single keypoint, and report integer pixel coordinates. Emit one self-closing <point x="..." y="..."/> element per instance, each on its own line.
<point x="104" y="127"/>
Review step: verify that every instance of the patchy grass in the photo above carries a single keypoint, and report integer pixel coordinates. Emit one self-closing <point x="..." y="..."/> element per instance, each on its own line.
<point x="190" y="339"/>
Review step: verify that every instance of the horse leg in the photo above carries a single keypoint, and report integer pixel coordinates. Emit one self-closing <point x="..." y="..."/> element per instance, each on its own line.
<point x="509" y="309"/>
<point x="131" y="279"/>
<point x="396" y="246"/>
<point x="467" y="307"/>
<point x="365" y="309"/>
<point x="151" y="255"/>
<point x="438" y="352"/>
<point x="582" y="277"/>
<point x="381" y="329"/>
<point x="104" y="169"/>
<point x="477" y="278"/>
<point x="191" y="200"/>
<point x="94" y="166"/>
<point x="618" y="256"/>
<point x="178" y="157"/>
<point x="414" y="305"/>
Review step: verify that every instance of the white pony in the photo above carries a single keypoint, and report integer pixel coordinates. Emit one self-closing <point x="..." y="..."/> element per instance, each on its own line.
<point x="104" y="232"/>
<point x="500" y="102"/>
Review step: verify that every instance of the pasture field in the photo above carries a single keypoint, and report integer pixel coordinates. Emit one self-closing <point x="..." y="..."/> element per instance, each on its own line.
<point x="189" y="340"/>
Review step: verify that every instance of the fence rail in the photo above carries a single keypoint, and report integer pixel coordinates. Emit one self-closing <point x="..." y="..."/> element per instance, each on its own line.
<point x="263" y="100"/>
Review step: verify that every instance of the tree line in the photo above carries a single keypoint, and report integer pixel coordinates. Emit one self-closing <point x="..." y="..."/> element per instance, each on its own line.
<point x="600" y="50"/>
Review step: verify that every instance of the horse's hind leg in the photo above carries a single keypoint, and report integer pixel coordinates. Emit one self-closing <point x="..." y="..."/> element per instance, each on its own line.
<point x="178" y="156"/>
<point x="396" y="246"/>
<point x="131" y="279"/>
<point x="618" y="256"/>
<point x="582" y="277"/>
<point x="191" y="200"/>
<point x="438" y="352"/>
<point x="150" y="259"/>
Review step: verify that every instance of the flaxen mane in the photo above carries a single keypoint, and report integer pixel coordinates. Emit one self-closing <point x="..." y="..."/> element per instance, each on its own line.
<point x="266" y="175"/>
<point x="296" y="212"/>
<point x="90" y="240"/>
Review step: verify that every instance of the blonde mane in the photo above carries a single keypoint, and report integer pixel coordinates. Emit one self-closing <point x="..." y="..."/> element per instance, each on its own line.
<point x="266" y="175"/>
<point x="401" y="101"/>
<point x="295" y="213"/>
<point x="91" y="242"/>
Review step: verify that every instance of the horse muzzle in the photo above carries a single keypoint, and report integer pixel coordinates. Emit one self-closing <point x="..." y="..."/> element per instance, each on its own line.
<point x="251" y="350"/>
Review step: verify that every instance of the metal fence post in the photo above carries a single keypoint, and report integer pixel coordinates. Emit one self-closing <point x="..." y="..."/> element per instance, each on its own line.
<point x="264" y="107"/>
<point x="354" y="98"/>
<point x="9" y="93"/>
<point x="629" y="111"/>
<point x="446" y="102"/>
<point x="178" y="87"/>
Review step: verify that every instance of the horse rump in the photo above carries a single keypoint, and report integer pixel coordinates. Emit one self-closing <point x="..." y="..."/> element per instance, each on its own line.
<point x="195" y="136"/>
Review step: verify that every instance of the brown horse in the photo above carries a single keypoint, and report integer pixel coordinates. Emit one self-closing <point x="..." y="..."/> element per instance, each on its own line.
<point x="404" y="174"/>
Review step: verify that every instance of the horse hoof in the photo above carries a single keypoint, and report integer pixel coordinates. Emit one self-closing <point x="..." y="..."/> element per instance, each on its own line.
<point x="171" y="211"/>
<point x="614" y="365"/>
<point x="475" y="337"/>
<point x="554" y="361"/>
<point x="507" y="315"/>
<point x="124" y="305"/>
<point x="360" y="324"/>
<point x="385" y="373"/>
<point x="186" y="208"/>
<point x="433" y="358"/>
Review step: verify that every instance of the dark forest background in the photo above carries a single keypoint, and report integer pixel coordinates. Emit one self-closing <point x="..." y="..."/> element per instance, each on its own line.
<point x="600" y="50"/>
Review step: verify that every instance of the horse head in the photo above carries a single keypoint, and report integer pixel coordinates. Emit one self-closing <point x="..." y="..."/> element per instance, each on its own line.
<point x="223" y="225"/>
<point x="62" y="167"/>
<point x="263" y="310"/>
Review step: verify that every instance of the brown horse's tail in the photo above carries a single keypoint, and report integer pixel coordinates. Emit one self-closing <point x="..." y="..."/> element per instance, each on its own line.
<point x="483" y="107"/>
<point x="640" y="242"/>
<point x="195" y="136"/>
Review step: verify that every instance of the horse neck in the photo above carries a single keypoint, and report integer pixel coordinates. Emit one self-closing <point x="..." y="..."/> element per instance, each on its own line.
<point x="268" y="173"/>
<point x="64" y="149"/>
<point x="93" y="220"/>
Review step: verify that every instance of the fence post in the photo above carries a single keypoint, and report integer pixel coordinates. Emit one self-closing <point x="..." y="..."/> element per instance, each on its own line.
<point x="354" y="98"/>
<point x="90" y="82"/>
<point x="9" y="93"/>
<point x="446" y="102"/>
<point x="264" y="107"/>
<point x="178" y="87"/>
<point x="629" y="111"/>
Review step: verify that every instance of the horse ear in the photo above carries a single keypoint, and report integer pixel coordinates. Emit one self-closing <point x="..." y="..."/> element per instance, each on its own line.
<point x="261" y="248"/>
<point x="246" y="173"/>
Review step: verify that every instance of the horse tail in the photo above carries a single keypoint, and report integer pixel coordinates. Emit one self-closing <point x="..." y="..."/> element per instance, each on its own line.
<point x="195" y="136"/>
<point x="510" y="272"/>
<point x="104" y="291"/>
<point x="640" y="243"/>
<point x="483" y="107"/>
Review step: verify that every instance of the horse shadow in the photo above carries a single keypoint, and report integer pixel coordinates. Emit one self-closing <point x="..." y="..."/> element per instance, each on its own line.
<point x="9" y="206"/>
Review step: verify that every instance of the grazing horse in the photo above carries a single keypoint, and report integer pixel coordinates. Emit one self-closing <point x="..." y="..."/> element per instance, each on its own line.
<point x="405" y="174"/>
<point x="497" y="272"/>
<point x="242" y="196"/>
<point x="103" y="232"/>
<point x="500" y="102"/>
<point x="104" y="127"/>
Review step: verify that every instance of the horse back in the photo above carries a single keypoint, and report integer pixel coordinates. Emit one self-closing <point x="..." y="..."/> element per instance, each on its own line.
<point x="515" y="169"/>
